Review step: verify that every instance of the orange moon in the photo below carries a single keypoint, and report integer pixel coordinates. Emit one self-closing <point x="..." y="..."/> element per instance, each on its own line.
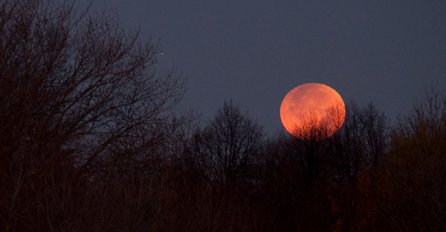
<point x="312" y="111"/>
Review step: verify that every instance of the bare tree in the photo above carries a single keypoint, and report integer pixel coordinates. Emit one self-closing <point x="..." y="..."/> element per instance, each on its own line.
<point x="314" y="127"/>
<point x="79" y="99"/>
<point x="228" y="145"/>
<point x="411" y="194"/>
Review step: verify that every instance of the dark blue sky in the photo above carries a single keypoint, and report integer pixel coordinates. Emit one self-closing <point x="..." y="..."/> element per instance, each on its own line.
<point x="254" y="51"/>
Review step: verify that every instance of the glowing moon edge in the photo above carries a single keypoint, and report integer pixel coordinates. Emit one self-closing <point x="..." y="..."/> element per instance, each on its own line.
<point x="312" y="111"/>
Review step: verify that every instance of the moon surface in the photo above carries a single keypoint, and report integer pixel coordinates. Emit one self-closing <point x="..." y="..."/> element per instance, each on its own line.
<point x="312" y="111"/>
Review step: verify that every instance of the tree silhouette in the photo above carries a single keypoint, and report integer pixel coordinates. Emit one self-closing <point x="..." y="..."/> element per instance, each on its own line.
<point x="411" y="196"/>
<point x="79" y="99"/>
<point x="228" y="145"/>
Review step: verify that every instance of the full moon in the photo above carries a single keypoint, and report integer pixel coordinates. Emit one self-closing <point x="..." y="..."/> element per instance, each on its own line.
<point x="312" y="111"/>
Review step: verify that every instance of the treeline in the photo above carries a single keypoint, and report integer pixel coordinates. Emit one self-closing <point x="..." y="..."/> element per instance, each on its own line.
<point x="90" y="141"/>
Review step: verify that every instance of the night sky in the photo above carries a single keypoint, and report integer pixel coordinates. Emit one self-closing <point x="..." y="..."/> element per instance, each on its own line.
<point x="255" y="51"/>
